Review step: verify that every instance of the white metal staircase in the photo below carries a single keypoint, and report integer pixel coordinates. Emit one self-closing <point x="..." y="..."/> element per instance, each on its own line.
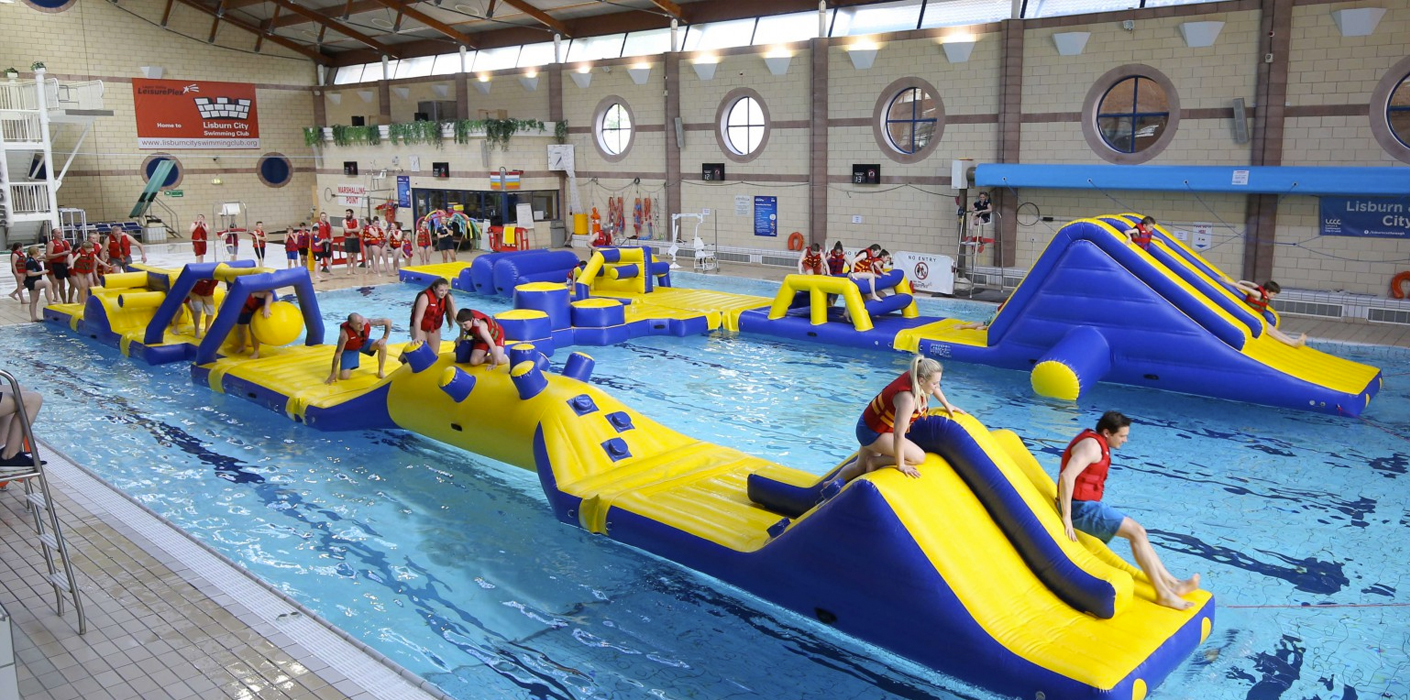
<point x="32" y="113"/>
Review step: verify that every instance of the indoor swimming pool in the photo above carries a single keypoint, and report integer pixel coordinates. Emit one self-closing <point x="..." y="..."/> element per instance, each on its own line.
<point x="454" y="566"/>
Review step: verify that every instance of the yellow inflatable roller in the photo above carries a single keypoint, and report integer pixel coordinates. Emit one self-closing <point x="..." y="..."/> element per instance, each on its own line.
<point x="125" y="280"/>
<point x="141" y="300"/>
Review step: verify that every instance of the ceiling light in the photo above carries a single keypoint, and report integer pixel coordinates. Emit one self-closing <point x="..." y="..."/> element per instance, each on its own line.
<point x="381" y="22"/>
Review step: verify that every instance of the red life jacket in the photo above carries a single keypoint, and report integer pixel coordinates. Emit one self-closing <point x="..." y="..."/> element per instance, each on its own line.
<point x="836" y="263"/>
<point x="355" y="339"/>
<point x="496" y="330"/>
<point x="198" y="233"/>
<point x="252" y="304"/>
<point x="1091" y="483"/>
<point x="61" y="247"/>
<point x="435" y="313"/>
<point x="1143" y="236"/>
<point x="119" y="246"/>
<point x="812" y="260"/>
<point x="325" y="230"/>
<point x="1258" y="301"/>
<point x="204" y="288"/>
<point x="863" y="265"/>
<point x="880" y="414"/>
<point x="291" y="241"/>
<point x="423" y="237"/>
<point x="372" y="235"/>
<point x="86" y="261"/>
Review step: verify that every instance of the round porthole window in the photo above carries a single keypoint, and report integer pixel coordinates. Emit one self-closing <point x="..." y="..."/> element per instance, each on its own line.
<point x="1130" y="114"/>
<point x="274" y="170"/>
<point x="742" y="125"/>
<point x="908" y="120"/>
<point x="154" y="163"/>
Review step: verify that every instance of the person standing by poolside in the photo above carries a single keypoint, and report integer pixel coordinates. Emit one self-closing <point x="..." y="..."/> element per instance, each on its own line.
<point x="34" y="281"/>
<point x="433" y="308"/>
<point x="232" y="244"/>
<point x="352" y="241"/>
<point x="17" y="269"/>
<point x="882" y="427"/>
<point x="373" y="238"/>
<point x="259" y="238"/>
<point x="323" y="240"/>
<point x="200" y="234"/>
<point x="444" y="242"/>
<point x="1081" y="485"/>
<point x="423" y="243"/>
<point x="354" y="342"/>
<point x="291" y="248"/>
<point x="57" y="257"/>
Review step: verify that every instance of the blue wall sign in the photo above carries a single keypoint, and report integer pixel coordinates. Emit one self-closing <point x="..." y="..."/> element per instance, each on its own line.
<point x="404" y="191"/>
<point x="766" y="216"/>
<point x="1372" y="217"/>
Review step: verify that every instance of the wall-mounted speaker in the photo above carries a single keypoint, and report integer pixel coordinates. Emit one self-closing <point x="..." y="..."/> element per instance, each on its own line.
<point x="1240" y="121"/>
<point x="680" y="134"/>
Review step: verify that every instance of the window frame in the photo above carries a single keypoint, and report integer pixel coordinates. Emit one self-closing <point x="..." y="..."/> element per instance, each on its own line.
<point x="1380" y="110"/>
<point x="1099" y="90"/>
<point x="880" y="120"/>
<point x="727" y="104"/>
<point x="146" y="173"/>
<point x="274" y="155"/>
<point x="599" y="114"/>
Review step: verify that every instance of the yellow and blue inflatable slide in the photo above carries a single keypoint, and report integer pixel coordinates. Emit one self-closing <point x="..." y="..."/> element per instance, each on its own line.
<point x="965" y="569"/>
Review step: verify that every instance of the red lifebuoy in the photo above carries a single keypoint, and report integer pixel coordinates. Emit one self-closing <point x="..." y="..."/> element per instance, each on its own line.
<point x="1397" y="284"/>
<point x="795" y="241"/>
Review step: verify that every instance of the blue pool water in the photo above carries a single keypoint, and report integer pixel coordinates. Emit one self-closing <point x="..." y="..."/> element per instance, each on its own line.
<point x="452" y="564"/>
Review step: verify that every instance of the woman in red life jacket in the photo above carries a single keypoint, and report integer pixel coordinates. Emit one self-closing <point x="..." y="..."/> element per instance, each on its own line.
<point x="200" y="234"/>
<point x="86" y="263"/>
<point x="837" y="260"/>
<point x="323" y="241"/>
<point x="17" y="269"/>
<point x="395" y="240"/>
<point x="811" y="261"/>
<point x="864" y="270"/>
<point x="483" y="335"/>
<point x="352" y="241"/>
<point x="256" y="302"/>
<point x="259" y="239"/>
<point x="1141" y="233"/>
<point x="1081" y="484"/>
<point x="354" y="341"/>
<point x="1259" y="297"/>
<point x="373" y="238"/>
<point x="434" y="307"/>
<point x="423" y="242"/>
<point x="881" y="430"/>
<point x="120" y="246"/>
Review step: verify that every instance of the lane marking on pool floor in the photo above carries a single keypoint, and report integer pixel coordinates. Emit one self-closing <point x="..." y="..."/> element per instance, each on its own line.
<point x="257" y="604"/>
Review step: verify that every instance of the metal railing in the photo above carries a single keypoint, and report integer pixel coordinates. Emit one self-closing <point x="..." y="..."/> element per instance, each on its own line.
<point x="21" y="128"/>
<point x="29" y="198"/>
<point x="21" y="95"/>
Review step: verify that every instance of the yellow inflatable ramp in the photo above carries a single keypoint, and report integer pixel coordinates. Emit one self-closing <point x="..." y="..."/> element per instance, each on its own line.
<point x="946" y="330"/>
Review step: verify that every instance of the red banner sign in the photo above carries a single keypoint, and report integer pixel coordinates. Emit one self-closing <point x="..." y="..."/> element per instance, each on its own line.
<point x="176" y="114"/>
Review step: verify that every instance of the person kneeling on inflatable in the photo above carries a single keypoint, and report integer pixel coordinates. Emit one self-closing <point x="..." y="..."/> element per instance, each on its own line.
<point x="1081" y="483"/>
<point x="881" y="430"/>
<point x="811" y="261"/>
<point x="482" y="336"/>
<point x="353" y="343"/>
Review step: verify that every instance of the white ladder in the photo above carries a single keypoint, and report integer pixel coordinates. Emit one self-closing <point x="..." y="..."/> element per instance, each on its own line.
<point x="46" y="517"/>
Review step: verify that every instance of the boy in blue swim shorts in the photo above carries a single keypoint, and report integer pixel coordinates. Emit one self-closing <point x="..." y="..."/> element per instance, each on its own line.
<point x="1081" y="484"/>
<point x="354" y="342"/>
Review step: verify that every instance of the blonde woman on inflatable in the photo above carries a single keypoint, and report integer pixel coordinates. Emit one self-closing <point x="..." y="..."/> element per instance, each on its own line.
<point x="882" y="427"/>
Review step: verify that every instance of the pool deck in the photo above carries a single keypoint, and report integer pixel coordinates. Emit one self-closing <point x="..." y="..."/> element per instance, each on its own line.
<point x="170" y="619"/>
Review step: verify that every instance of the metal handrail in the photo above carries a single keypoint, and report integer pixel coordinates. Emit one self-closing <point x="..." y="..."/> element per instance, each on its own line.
<point x="22" y="415"/>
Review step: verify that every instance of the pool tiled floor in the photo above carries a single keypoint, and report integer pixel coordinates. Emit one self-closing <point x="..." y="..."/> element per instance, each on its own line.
<point x="164" y="627"/>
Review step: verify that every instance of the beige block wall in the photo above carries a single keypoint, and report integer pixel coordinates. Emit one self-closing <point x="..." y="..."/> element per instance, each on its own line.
<point x="1326" y="68"/>
<point x="94" y="40"/>
<point x="1312" y="261"/>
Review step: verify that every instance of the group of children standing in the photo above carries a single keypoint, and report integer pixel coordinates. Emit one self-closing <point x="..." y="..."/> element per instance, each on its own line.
<point x="64" y="272"/>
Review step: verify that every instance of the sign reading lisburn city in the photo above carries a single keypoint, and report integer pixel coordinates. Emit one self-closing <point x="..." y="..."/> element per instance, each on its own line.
<point x="177" y="114"/>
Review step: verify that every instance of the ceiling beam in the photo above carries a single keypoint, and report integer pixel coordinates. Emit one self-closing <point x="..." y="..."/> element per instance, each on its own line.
<point x="166" y="14"/>
<point x="215" y="22"/>
<point x="430" y="21"/>
<point x="337" y="27"/>
<point x="542" y="17"/>
<point x="260" y="40"/>
<point x="303" y="49"/>
<point x="669" y="8"/>
<point x="352" y="7"/>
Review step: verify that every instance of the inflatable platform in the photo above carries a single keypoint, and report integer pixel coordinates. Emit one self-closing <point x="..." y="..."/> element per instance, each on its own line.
<point x="1094" y="308"/>
<point x="1042" y="616"/>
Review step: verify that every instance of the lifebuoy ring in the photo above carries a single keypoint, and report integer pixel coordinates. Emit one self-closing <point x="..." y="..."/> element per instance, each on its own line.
<point x="1397" y="283"/>
<point x="795" y="241"/>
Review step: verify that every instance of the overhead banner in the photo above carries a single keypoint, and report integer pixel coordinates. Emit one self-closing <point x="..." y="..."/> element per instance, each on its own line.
<point x="1371" y="217"/>
<point x="185" y="114"/>
<point x="927" y="272"/>
<point x="766" y="216"/>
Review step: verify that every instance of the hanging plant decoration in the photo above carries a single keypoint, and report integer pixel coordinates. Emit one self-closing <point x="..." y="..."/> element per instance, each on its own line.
<point x="560" y="131"/>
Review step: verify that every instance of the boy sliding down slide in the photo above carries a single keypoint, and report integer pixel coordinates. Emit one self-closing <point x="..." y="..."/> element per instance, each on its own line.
<point x="353" y="342"/>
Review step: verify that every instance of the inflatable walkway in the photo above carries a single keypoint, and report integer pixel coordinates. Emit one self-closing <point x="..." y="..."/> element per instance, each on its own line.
<point x="965" y="570"/>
